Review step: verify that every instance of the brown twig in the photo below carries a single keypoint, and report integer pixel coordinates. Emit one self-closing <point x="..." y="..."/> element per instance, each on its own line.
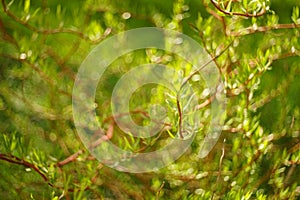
<point x="251" y="29"/>
<point x="204" y="65"/>
<point x="61" y="62"/>
<point x="32" y="28"/>
<point x="73" y="157"/>
<point x="6" y="36"/>
<point x="206" y="102"/>
<point x="220" y="166"/>
<point x="144" y="113"/>
<point x="262" y="12"/>
<point x="179" y="116"/>
<point x="159" y="190"/>
<point x="69" y="159"/>
<point x="125" y="114"/>
<point x="108" y="136"/>
<point x="210" y="11"/>
<point x="38" y="70"/>
<point x="51" y="31"/>
<point x="188" y="78"/>
<point x="19" y="161"/>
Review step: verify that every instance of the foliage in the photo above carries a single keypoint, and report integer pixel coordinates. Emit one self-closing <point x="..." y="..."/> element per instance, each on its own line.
<point x="42" y="45"/>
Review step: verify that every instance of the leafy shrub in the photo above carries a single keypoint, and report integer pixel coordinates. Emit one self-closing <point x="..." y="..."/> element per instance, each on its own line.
<point x="42" y="46"/>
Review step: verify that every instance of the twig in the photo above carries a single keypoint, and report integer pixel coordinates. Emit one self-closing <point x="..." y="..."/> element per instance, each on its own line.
<point x="186" y="81"/>
<point x="39" y="71"/>
<point x="69" y="159"/>
<point x="206" y="102"/>
<point x="51" y="31"/>
<point x="159" y="190"/>
<point x="212" y="12"/>
<point x="180" y="116"/>
<point x="251" y="29"/>
<point x="204" y="65"/>
<point x="108" y="136"/>
<point x="74" y="156"/>
<point x="289" y="174"/>
<point x="19" y="161"/>
<point x="6" y="36"/>
<point x="125" y="114"/>
<point x="220" y="166"/>
<point x="61" y="62"/>
<point x="262" y="12"/>
<point x="144" y="113"/>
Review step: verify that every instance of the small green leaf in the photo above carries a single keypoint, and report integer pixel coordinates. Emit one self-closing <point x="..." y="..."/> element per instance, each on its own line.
<point x="26" y="6"/>
<point x="170" y="134"/>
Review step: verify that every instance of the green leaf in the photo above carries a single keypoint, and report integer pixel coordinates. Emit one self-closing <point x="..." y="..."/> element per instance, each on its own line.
<point x="26" y="6"/>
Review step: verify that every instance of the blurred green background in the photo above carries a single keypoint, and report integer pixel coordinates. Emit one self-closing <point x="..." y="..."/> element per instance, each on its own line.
<point x="42" y="45"/>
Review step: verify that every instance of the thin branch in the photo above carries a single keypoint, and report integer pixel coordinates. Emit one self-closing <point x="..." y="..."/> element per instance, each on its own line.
<point x="159" y="190"/>
<point x="295" y="148"/>
<point x="220" y="166"/>
<point x="125" y="114"/>
<point x="185" y="81"/>
<point x="107" y="136"/>
<point x="39" y="71"/>
<point x="6" y="36"/>
<point x="61" y="62"/>
<point x="212" y="12"/>
<point x="69" y="159"/>
<point x="251" y="29"/>
<point x="262" y="12"/>
<point x="144" y="113"/>
<point x="180" y="117"/>
<point x="73" y="157"/>
<point x="204" y="65"/>
<point x="19" y="161"/>
<point x="206" y="102"/>
<point x="51" y="31"/>
<point x="289" y="175"/>
<point x="32" y="28"/>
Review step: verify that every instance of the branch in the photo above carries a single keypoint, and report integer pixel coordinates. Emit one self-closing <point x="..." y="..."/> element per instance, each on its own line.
<point x="19" y="161"/>
<point x="251" y="29"/>
<point x="185" y="81"/>
<point x="71" y="158"/>
<point x="159" y="190"/>
<point x="262" y="12"/>
<point x="144" y="113"/>
<point x="212" y="12"/>
<point x="51" y="31"/>
<point x="39" y="71"/>
<point x="6" y="36"/>
<point x="61" y="62"/>
<point x="125" y="114"/>
<point x="180" y="116"/>
<point x="204" y="65"/>
<point x="206" y="102"/>
<point x="107" y="136"/>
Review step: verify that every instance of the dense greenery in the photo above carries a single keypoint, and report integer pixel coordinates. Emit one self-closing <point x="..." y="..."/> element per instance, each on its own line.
<point x="44" y="42"/>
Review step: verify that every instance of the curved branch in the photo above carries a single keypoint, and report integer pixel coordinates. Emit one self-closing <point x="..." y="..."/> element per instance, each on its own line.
<point x="19" y="161"/>
<point x="262" y="12"/>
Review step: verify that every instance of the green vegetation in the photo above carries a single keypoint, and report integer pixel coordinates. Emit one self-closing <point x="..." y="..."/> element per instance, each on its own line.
<point x="42" y="45"/>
